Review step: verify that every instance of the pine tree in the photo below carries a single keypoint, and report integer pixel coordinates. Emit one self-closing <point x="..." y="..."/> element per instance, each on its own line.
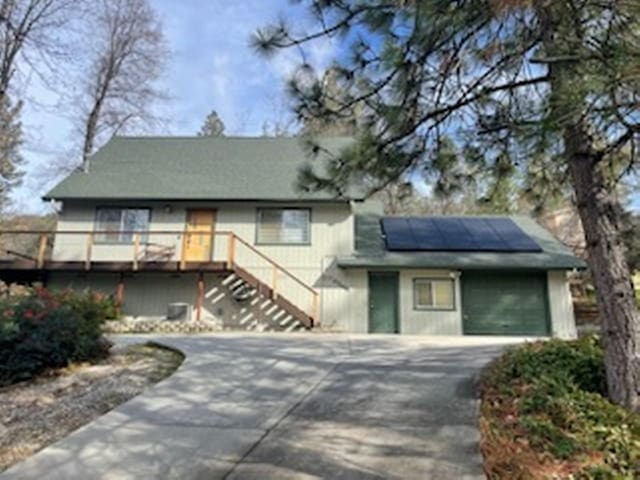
<point x="213" y="126"/>
<point x="553" y="86"/>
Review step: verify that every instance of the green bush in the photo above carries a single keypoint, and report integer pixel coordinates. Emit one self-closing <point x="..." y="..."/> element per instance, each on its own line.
<point x="579" y="362"/>
<point x="553" y="394"/>
<point x="41" y="330"/>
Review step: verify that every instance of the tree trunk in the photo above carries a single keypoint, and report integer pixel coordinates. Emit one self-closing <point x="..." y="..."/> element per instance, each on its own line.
<point x="600" y="214"/>
<point x="598" y="206"/>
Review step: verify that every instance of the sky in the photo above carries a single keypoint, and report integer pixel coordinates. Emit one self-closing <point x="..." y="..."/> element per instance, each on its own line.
<point x="211" y="67"/>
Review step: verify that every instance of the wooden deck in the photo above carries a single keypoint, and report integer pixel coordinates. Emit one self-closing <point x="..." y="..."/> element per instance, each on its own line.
<point x="35" y="263"/>
<point x="142" y="267"/>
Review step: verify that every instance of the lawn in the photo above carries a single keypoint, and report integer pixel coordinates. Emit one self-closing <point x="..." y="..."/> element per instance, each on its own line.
<point x="544" y="414"/>
<point x="46" y="408"/>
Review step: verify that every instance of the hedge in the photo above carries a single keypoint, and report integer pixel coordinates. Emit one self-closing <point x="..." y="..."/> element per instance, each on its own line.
<point x="544" y="414"/>
<point x="41" y="330"/>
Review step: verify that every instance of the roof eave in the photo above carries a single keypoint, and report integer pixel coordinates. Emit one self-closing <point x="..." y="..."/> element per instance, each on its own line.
<point x="50" y="197"/>
<point x="386" y="263"/>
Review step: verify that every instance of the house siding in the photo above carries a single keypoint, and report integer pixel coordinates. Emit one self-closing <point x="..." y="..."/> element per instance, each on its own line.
<point x="344" y="293"/>
<point x="428" y="322"/>
<point x="332" y="233"/>
<point x="563" y="323"/>
<point x="444" y="322"/>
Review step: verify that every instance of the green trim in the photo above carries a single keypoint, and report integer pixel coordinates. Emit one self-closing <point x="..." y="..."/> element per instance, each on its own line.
<point x="425" y="308"/>
<point x="397" y="320"/>
<point x="546" y="307"/>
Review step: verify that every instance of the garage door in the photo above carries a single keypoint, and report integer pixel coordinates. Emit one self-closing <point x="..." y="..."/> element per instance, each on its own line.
<point x="500" y="303"/>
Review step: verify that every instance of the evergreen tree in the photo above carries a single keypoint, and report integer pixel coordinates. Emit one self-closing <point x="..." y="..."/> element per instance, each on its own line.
<point x="213" y="126"/>
<point x="549" y="86"/>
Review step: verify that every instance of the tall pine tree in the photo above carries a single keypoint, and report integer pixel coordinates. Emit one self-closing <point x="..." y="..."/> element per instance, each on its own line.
<point x="551" y="85"/>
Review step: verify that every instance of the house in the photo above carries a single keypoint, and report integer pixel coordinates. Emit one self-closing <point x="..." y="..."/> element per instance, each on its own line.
<point x="216" y="230"/>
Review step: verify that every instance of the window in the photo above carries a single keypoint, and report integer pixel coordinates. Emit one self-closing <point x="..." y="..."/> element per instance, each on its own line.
<point x="434" y="294"/>
<point x="283" y="226"/>
<point x="116" y="225"/>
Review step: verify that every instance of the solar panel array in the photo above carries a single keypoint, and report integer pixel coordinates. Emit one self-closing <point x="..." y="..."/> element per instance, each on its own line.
<point x="473" y="234"/>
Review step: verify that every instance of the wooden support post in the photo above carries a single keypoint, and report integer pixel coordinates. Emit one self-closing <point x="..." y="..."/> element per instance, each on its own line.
<point x="200" y="298"/>
<point x="183" y="252"/>
<point x="120" y="294"/>
<point x="42" y="248"/>
<point x="231" y="250"/>
<point x="87" y="262"/>
<point x="274" y="282"/>
<point x="316" y="310"/>
<point x="136" y="250"/>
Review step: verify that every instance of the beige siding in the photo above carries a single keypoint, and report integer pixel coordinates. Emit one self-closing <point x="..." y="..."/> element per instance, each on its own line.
<point x="80" y="218"/>
<point x="344" y="301"/>
<point x="428" y="322"/>
<point x="561" y="305"/>
<point x="145" y="295"/>
<point x="331" y="236"/>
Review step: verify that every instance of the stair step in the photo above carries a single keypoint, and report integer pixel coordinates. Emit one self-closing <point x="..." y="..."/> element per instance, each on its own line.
<point x="266" y="291"/>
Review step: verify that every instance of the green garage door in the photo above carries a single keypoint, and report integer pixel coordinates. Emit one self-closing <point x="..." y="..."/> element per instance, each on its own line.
<point x="501" y="303"/>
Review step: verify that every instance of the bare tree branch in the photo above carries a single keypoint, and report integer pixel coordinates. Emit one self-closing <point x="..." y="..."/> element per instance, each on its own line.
<point x="119" y="85"/>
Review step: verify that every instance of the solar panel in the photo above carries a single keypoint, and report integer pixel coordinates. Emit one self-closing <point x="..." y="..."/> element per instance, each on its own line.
<point x="480" y="234"/>
<point x="398" y="234"/>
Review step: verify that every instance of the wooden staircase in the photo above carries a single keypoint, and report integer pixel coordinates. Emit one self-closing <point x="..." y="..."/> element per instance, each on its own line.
<point x="265" y="291"/>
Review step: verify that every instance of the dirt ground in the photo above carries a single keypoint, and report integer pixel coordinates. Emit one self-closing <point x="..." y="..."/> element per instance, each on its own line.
<point x="38" y="412"/>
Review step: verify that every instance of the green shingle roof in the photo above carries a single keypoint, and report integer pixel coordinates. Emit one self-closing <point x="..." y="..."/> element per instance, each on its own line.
<point x="197" y="168"/>
<point x="370" y="251"/>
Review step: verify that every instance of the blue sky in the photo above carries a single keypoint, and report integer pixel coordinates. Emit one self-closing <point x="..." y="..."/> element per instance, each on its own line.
<point x="211" y="67"/>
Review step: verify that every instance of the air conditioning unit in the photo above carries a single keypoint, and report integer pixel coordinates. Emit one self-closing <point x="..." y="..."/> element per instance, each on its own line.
<point x="179" y="312"/>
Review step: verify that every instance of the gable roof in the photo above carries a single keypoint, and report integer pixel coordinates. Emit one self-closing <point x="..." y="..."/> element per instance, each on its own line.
<point x="198" y="168"/>
<point x="371" y="252"/>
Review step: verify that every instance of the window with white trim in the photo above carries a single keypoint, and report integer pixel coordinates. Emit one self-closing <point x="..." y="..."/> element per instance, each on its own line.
<point x="116" y="225"/>
<point x="284" y="226"/>
<point x="434" y="294"/>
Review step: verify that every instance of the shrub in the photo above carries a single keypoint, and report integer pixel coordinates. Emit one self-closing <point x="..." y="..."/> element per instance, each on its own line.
<point x="579" y="362"/>
<point x="40" y="330"/>
<point x="546" y="400"/>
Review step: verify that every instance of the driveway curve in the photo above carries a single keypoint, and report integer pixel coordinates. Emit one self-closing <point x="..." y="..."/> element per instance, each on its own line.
<point x="285" y="406"/>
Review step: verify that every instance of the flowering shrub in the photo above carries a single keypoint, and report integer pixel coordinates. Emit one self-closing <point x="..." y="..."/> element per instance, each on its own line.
<point x="40" y="329"/>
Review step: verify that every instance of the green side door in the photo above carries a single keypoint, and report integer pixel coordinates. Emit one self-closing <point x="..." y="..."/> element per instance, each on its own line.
<point x="383" y="302"/>
<point x="504" y="303"/>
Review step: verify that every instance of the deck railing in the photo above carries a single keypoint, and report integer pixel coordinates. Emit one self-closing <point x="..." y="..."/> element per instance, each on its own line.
<point x="132" y="249"/>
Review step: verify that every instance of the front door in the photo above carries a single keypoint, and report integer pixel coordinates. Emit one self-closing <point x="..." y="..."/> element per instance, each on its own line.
<point x="383" y="302"/>
<point x="198" y="242"/>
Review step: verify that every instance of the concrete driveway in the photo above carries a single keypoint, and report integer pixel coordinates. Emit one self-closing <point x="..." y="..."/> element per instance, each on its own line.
<point x="289" y="406"/>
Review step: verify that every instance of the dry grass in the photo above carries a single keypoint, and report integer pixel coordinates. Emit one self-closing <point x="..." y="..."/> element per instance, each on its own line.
<point x="36" y="413"/>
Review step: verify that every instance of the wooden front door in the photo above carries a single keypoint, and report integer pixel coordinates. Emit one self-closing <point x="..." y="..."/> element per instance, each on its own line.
<point x="198" y="240"/>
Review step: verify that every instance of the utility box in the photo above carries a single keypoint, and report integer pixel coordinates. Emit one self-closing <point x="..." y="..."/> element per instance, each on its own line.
<point x="179" y="312"/>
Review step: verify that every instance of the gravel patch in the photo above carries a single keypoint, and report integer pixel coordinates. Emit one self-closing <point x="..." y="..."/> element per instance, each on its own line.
<point x="38" y="412"/>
